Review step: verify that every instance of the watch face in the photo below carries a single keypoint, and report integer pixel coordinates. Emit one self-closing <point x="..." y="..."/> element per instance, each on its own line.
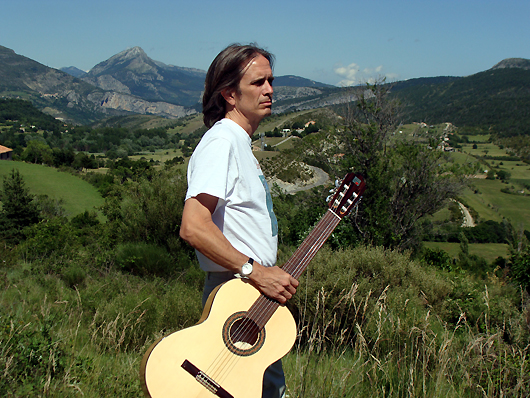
<point x="246" y="269"/>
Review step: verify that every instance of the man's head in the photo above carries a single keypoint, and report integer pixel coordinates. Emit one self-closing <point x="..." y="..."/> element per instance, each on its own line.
<point x="224" y="76"/>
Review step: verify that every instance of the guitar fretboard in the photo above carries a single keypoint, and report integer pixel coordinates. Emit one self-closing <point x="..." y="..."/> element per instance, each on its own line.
<point x="264" y="307"/>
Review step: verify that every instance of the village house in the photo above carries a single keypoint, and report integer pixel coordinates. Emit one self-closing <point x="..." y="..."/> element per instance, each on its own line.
<point x="6" y="153"/>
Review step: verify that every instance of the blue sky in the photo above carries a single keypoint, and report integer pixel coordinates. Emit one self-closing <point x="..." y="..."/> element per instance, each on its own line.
<point x="337" y="42"/>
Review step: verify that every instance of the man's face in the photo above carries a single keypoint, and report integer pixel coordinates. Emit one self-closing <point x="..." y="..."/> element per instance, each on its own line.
<point x="254" y="97"/>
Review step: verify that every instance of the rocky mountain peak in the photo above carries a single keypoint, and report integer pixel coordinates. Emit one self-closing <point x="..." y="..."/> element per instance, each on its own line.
<point x="520" y="63"/>
<point x="133" y="58"/>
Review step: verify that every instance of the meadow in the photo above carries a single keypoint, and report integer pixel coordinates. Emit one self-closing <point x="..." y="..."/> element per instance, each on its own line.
<point x="490" y="199"/>
<point x="77" y="195"/>
<point x="488" y="251"/>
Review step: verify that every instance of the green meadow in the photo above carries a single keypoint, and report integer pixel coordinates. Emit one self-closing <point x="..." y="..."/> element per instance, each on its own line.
<point x="488" y="251"/>
<point x="77" y="194"/>
<point x="493" y="204"/>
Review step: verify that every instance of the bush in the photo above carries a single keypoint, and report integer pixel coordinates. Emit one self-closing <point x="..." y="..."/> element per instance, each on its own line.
<point x="437" y="258"/>
<point x="342" y="290"/>
<point x="343" y="287"/>
<point x="145" y="259"/>
<point x="520" y="268"/>
<point x="150" y="211"/>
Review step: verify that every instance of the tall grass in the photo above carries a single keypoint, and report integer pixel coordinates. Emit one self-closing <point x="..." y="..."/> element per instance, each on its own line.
<point x="87" y="341"/>
<point x="394" y="337"/>
<point x="393" y="356"/>
<point x="373" y="323"/>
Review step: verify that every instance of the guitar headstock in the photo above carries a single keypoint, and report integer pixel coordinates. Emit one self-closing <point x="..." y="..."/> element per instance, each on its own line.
<point x="347" y="194"/>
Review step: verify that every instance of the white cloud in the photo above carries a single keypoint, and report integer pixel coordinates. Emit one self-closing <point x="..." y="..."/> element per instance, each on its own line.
<point x="352" y="74"/>
<point x="348" y="73"/>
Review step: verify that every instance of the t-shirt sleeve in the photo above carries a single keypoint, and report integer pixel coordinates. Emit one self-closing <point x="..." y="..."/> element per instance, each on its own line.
<point x="211" y="169"/>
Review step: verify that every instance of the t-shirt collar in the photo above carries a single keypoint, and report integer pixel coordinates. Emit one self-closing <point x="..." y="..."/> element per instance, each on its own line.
<point x="238" y="129"/>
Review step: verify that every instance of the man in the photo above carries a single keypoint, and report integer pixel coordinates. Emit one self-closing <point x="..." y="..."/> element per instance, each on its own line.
<point x="228" y="215"/>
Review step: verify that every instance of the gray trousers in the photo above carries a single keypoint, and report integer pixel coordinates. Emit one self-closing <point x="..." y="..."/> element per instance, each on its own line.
<point x="273" y="379"/>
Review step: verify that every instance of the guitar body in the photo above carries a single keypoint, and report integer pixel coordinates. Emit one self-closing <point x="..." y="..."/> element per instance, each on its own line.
<point x="214" y="354"/>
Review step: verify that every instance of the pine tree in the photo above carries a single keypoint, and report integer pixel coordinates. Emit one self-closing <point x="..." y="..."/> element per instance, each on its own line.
<point x="18" y="207"/>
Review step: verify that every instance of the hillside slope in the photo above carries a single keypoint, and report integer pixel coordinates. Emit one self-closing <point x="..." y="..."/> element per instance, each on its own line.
<point x="497" y="99"/>
<point x="77" y="194"/>
<point x="68" y="98"/>
<point x="133" y="72"/>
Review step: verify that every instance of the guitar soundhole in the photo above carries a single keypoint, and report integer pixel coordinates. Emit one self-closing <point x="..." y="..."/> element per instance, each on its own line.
<point x="241" y="335"/>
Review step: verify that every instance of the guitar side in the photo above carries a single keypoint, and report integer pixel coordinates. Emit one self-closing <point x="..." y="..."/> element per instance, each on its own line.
<point x="206" y="348"/>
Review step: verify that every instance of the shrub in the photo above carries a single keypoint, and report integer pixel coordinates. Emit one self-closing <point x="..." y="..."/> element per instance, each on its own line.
<point x="438" y="258"/>
<point x="150" y="211"/>
<point x="344" y="286"/>
<point x="145" y="259"/>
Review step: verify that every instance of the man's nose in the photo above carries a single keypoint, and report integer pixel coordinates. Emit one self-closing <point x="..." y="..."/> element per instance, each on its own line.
<point x="268" y="88"/>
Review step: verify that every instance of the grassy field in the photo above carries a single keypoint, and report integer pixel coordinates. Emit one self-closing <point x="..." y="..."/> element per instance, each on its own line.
<point x="485" y="196"/>
<point x="191" y="125"/>
<point x="495" y="205"/>
<point x="160" y="155"/>
<point x="78" y="195"/>
<point x="489" y="201"/>
<point x="488" y="251"/>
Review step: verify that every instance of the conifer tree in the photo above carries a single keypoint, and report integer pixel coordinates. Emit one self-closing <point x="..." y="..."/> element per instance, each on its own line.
<point x="18" y="207"/>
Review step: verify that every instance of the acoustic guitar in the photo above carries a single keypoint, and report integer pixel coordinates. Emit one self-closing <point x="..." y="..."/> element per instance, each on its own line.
<point x="241" y="332"/>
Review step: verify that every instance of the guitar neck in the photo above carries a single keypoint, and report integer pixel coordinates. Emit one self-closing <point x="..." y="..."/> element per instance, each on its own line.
<point x="264" y="307"/>
<point x="301" y="258"/>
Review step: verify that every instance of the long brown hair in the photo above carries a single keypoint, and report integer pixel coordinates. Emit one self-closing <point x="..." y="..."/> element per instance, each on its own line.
<point x="226" y="72"/>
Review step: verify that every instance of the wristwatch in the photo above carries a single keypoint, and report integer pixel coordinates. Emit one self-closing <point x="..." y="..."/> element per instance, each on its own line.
<point x="246" y="269"/>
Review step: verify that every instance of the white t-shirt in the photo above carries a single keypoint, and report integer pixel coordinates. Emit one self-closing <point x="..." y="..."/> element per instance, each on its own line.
<point x="224" y="166"/>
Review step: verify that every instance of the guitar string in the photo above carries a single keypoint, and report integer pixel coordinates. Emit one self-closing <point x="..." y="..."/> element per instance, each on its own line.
<point x="302" y="257"/>
<point x="225" y="363"/>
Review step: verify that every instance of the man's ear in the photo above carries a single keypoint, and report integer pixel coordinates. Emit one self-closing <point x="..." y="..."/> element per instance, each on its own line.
<point x="229" y="96"/>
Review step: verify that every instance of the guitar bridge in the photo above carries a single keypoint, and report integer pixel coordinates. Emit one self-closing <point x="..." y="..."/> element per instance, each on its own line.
<point x="205" y="380"/>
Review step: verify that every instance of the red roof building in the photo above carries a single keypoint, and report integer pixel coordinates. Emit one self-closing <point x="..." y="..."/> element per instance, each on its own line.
<point x="6" y="153"/>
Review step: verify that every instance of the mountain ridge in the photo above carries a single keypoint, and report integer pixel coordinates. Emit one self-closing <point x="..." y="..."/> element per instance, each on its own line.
<point x="130" y="82"/>
<point x="68" y="98"/>
<point x="133" y="72"/>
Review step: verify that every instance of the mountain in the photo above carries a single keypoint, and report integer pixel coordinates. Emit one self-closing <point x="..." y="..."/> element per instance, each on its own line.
<point x="58" y="93"/>
<point x="73" y="71"/>
<point x="132" y="83"/>
<point x="497" y="99"/>
<point x="296" y="81"/>
<point x="68" y="98"/>
<point x="133" y="72"/>
<point x="519" y="63"/>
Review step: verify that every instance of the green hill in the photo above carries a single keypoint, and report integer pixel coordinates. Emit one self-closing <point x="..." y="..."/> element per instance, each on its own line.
<point x="497" y="100"/>
<point x="78" y="195"/>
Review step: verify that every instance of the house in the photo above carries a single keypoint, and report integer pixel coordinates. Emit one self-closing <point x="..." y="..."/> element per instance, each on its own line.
<point x="6" y="153"/>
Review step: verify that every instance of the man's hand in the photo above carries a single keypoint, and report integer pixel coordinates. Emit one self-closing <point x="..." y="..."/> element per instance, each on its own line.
<point x="273" y="282"/>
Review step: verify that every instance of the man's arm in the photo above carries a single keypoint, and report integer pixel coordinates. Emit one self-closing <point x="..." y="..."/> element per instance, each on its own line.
<point x="201" y="233"/>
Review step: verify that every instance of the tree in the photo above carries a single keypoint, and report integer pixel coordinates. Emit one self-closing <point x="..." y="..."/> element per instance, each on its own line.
<point x="520" y="268"/>
<point x="503" y="175"/>
<point x="406" y="180"/>
<point x="38" y="152"/>
<point x="18" y="207"/>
